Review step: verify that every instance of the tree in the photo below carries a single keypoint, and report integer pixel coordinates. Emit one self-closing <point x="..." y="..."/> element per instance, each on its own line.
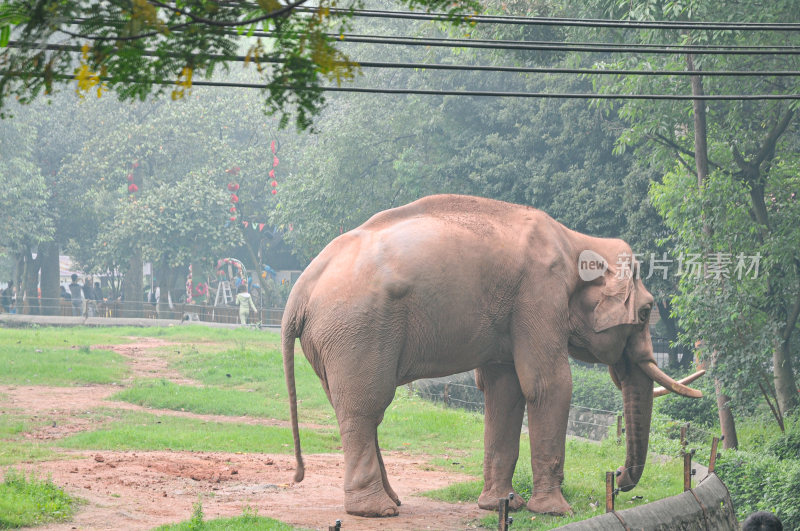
<point x="726" y="210"/>
<point x="142" y="47"/>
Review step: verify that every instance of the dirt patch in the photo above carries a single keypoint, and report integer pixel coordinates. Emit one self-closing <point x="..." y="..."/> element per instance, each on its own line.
<point x="144" y="365"/>
<point x="142" y="490"/>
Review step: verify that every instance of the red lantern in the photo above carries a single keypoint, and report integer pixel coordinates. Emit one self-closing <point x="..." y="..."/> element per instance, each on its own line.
<point x="132" y="188"/>
<point x="272" y="146"/>
<point x="232" y="209"/>
<point x="231" y="187"/>
<point x="233" y="218"/>
<point x="236" y="186"/>
<point x="130" y="177"/>
<point x="272" y="174"/>
<point x="234" y="198"/>
<point x="274" y="161"/>
<point x="274" y="191"/>
<point x="274" y="183"/>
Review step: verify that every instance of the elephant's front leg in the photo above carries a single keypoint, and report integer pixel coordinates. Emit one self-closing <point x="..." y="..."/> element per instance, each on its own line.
<point x="548" y="413"/>
<point x="504" y="407"/>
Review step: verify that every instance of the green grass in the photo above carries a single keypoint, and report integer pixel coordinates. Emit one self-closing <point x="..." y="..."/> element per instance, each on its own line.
<point x="27" y="501"/>
<point x="248" y="521"/>
<point x="45" y="336"/>
<point x="584" y="484"/>
<point x="14" y="448"/>
<point x="25" y="364"/>
<point x="259" y="367"/>
<point x="163" y="394"/>
<point x="143" y="431"/>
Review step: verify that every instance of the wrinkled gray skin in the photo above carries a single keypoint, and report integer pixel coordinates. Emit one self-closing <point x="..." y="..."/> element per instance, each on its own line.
<point x="453" y="283"/>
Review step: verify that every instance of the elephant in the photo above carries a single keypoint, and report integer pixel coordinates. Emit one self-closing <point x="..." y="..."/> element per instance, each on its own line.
<point x="452" y="283"/>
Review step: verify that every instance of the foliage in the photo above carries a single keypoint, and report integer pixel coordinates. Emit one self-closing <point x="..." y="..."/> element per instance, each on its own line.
<point x="762" y="482"/>
<point x="141" y="48"/>
<point x="743" y="208"/>
<point x="592" y="387"/>
<point x="701" y="411"/>
<point x="27" y="501"/>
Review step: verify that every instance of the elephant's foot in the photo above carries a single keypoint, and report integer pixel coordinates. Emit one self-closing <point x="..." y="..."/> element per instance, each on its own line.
<point x="552" y="502"/>
<point x="488" y="500"/>
<point x="370" y="501"/>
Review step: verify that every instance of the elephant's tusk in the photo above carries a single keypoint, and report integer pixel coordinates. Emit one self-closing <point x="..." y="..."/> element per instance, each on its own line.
<point x="661" y="391"/>
<point x="652" y="370"/>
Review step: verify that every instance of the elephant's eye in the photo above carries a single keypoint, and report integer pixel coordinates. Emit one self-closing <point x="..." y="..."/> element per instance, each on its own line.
<point x="644" y="314"/>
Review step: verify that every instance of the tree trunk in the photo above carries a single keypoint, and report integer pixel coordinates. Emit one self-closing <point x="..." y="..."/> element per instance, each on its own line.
<point x="726" y="422"/>
<point x="133" y="290"/>
<point x="29" y="304"/>
<point x="785" y="387"/>
<point x="50" y="267"/>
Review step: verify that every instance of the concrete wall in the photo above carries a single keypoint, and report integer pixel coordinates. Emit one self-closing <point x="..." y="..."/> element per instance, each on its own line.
<point x="708" y="506"/>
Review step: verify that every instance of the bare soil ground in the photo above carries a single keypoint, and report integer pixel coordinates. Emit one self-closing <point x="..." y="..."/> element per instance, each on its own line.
<point x="141" y="490"/>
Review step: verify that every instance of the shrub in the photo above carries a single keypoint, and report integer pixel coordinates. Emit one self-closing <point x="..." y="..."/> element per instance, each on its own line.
<point x="592" y="387"/>
<point x="762" y="482"/>
<point x="695" y="410"/>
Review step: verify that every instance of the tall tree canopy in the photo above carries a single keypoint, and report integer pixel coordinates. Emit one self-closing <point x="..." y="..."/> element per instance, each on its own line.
<point x="141" y="47"/>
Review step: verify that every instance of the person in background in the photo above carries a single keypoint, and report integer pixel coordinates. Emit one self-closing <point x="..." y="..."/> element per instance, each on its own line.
<point x="8" y="298"/>
<point x="245" y="303"/>
<point x="89" y="307"/>
<point x="76" y="296"/>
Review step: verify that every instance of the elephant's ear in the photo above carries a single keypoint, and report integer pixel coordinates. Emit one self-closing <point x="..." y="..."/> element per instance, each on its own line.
<point x="617" y="303"/>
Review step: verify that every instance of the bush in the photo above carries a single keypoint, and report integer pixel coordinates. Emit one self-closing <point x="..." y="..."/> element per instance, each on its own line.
<point x="788" y="445"/>
<point x="695" y="410"/>
<point x="762" y="482"/>
<point x="592" y="387"/>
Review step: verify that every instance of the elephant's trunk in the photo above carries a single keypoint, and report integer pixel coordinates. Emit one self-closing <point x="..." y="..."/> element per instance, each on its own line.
<point x="637" y="397"/>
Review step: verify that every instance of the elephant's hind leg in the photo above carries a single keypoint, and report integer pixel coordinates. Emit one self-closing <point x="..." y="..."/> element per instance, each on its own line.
<point x="365" y="493"/>
<point x="505" y="406"/>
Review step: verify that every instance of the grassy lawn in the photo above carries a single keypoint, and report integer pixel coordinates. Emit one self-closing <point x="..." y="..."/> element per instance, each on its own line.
<point x="143" y="431"/>
<point x="248" y="521"/>
<point x="13" y="446"/>
<point x="27" y="501"/>
<point x="241" y="373"/>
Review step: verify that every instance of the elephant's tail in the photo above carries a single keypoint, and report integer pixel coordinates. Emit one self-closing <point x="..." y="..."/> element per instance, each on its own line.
<point x="289" y="334"/>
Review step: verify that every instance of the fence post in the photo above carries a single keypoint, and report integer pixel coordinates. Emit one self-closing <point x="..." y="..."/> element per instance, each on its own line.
<point x="712" y="461"/>
<point x="503" y="520"/>
<point x="688" y="472"/>
<point x="610" y="491"/>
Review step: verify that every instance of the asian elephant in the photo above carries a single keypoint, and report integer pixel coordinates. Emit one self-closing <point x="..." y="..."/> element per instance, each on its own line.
<point x="452" y="283"/>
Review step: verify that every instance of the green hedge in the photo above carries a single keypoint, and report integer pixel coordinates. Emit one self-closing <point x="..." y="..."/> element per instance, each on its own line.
<point x="760" y="481"/>
<point x="592" y="387"/>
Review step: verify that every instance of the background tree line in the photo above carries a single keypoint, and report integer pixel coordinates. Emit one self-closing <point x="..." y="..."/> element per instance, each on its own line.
<point x="631" y="170"/>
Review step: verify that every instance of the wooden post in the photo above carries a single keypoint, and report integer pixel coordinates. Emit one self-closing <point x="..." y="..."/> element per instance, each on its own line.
<point x="687" y="470"/>
<point x="502" y="513"/>
<point x="610" y="491"/>
<point x="713" y="459"/>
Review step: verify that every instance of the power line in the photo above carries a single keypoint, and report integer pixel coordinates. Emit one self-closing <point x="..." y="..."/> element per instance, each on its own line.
<point x="554" y="21"/>
<point x="434" y="92"/>
<point x="562" y="47"/>
<point x="477" y="68"/>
